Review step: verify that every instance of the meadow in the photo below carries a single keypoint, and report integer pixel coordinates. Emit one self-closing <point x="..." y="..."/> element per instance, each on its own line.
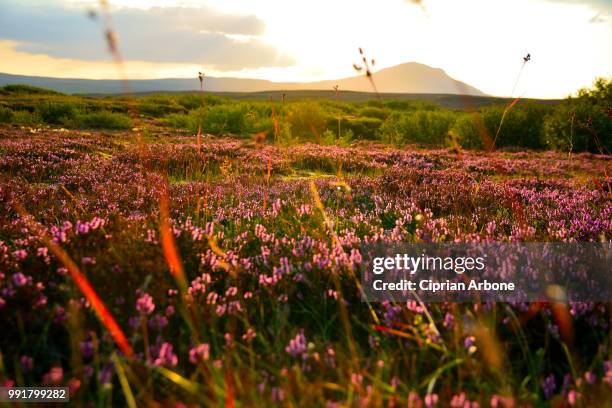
<point x="151" y="267"/>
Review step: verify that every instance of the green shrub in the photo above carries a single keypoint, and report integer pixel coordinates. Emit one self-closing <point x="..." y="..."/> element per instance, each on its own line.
<point x="362" y="128"/>
<point x="521" y="126"/>
<point x="373" y="112"/>
<point x="157" y="110"/>
<point x="191" y="101"/>
<point x="331" y="138"/>
<point x="263" y="124"/>
<point x="286" y="136"/>
<point x="578" y="126"/>
<point x="26" y="118"/>
<point x="27" y="89"/>
<point x="582" y="123"/>
<point x="6" y="115"/>
<point x="407" y="105"/>
<point x="466" y="128"/>
<point x="421" y="127"/>
<point x="102" y="120"/>
<point x="57" y="113"/>
<point x="308" y="120"/>
<point x="222" y="119"/>
<point x="180" y="121"/>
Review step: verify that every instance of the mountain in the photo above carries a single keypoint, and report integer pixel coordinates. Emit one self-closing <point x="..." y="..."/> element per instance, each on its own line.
<point x="411" y="77"/>
<point x="406" y="78"/>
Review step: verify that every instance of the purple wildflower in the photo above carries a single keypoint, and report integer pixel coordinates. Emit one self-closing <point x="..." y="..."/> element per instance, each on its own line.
<point x="145" y="305"/>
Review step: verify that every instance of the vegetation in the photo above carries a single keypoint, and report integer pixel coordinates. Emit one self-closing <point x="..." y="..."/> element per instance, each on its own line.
<point x="580" y="123"/>
<point x="269" y="240"/>
<point x="175" y="270"/>
<point x="584" y="122"/>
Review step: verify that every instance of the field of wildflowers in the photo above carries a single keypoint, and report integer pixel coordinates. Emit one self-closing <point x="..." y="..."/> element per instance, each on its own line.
<point x="159" y="272"/>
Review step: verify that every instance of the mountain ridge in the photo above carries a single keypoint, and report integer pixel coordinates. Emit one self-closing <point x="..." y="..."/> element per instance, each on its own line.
<point x="410" y="77"/>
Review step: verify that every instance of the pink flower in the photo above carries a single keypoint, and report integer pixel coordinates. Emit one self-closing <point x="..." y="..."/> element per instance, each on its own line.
<point x="145" y="305"/>
<point x="54" y="376"/>
<point x="572" y="397"/>
<point x="19" y="279"/>
<point x="199" y="353"/>
<point x="82" y="227"/>
<point x="169" y="310"/>
<point x="20" y="254"/>
<point x="590" y="377"/>
<point x="297" y="346"/>
<point x="88" y="260"/>
<point x="166" y="357"/>
<point x="249" y="335"/>
<point x="431" y="400"/>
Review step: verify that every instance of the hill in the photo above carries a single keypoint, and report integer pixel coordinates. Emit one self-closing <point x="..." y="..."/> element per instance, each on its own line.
<point x="404" y="78"/>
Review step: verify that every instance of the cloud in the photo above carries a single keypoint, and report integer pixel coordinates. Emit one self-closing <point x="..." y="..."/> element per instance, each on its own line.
<point x="600" y="5"/>
<point x="22" y="63"/>
<point x="199" y="35"/>
<point x="597" y="18"/>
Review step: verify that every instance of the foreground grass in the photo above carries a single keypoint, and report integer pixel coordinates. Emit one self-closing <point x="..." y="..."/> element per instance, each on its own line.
<point x="271" y="313"/>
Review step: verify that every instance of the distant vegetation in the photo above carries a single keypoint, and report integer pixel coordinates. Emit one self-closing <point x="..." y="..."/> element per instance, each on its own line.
<point x="580" y="123"/>
<point x="26" y="89"/>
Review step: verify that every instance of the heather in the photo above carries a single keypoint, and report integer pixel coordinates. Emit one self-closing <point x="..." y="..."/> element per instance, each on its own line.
<point x="268" y="237"/>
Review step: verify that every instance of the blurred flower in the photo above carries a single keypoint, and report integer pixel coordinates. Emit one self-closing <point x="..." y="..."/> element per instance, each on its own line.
<point x="145" y="305"/>
<point x="165" y="356"/>
<point x="27" y="363"/>
<point x="199" y="353"/>
<point x="19" y="279"/>
<point x="431" y="400"/>
<point x="549" y="385"/>
<point x="297" y="346"/>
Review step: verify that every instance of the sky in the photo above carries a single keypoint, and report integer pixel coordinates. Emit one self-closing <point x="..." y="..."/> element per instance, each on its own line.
<point x="480" y="42"/>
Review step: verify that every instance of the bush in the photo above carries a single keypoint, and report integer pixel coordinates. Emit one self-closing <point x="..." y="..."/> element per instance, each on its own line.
<point x="220" y="120"/>
<point x="466" y="128"/>
<point x="331" y="138"/>
<point x="308" y="120"/>
<point x="102" y="120"/>
<point x="6" y="115"/>
<point x="373" y="112"/>
<point x="180" y="121"/>
<point x="193" y="101"/>
<point x="407" y="105"/>
<point x="582" y="123"/>
<point x="578" y="126"/>
<point x="157" y="110"/>
<point x="362" y="128"/>
<point x="57" y="113"/>
<point x="286" y="136"/>
<point x="263" y="124"/>
<point x="25" y="118"/>
<point x="522" y="125"/>
<point x="421" y="127"/>
<point x="27" y="89"/>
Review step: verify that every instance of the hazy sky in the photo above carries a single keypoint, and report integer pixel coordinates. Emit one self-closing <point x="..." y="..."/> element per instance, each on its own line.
<point x="480" y="42"/>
